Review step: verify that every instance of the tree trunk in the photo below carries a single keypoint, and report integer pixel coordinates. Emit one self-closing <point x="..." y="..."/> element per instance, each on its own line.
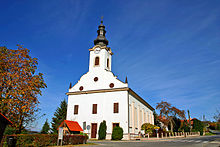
<point x="171" y="126"/>
<point x="18" y="131"/>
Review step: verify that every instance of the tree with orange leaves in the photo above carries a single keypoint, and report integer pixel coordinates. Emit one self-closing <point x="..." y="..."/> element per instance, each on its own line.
<point x="168" y="112"/>
<point x="19" y="86"/>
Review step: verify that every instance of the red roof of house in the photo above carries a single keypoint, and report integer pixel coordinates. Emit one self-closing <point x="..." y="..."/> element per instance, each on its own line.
<point x="191" y="120"/>
<point x="7" y="120"/>
<point x="72" y="125"/>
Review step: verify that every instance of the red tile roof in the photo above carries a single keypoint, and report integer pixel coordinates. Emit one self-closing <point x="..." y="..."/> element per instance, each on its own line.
<point x="191" y="120"/>
<point x="72" y="125"/>
<point x="8" y="121"/>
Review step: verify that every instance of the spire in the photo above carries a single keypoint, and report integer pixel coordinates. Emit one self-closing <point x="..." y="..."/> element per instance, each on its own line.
<point x="101" y="40"/>
<point x="70" y="85"/>
<point x="126" y="80"/>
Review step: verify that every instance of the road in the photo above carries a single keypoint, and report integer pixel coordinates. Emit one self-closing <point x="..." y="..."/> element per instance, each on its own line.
<point x="203" y="141"/>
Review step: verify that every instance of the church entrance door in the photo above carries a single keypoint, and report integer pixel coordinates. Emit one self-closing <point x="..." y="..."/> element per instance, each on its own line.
<point x="94" y="130"/>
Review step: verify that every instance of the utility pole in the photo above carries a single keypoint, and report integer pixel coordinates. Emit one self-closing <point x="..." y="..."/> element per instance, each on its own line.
<point x="190" y="127"/>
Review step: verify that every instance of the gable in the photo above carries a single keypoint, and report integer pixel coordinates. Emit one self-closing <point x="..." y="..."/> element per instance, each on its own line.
<point x="97" y="80"/>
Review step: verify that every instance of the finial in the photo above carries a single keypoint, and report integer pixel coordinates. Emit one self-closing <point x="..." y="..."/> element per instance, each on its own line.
<point x="101" y="40"/>
<point x="70" y="85"/>
<point x="126" y="80"/>
<point x="102" y="19"/>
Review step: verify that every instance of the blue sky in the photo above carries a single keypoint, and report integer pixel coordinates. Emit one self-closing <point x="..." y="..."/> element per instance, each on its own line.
<point x="170" y="50"/>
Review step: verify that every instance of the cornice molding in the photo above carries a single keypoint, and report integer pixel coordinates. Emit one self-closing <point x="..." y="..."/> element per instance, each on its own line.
<point x="113" y="90"/>
<point x="101" y="47"/>
<point x="97" y="91"/>
<point x="140" y="99"/>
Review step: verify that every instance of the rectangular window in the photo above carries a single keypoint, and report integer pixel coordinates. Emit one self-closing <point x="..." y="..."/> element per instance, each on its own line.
<point x="115" y="107"/>
<point x="94" y="109"/>
<point x="76" y="107"/>
<point x="84" y="125"/>
<point x="96" y="61"/>
<point x="115" y="125"/>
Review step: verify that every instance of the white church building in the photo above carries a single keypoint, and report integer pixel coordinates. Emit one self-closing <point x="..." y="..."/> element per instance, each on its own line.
<point x="99" y="95"/>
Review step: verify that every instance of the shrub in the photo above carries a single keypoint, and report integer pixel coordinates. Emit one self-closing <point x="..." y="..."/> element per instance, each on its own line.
<point x="212" y="125"/>
<point x="148" y="128"/>
<point x="102" y="130"/>
<point x="209" y="133"/>
<point x="218" y="126"/>
<point x="84" y="134"/>
<point x="117" y="133"/>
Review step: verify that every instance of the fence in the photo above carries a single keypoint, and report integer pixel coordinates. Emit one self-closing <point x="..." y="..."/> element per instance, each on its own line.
<point x="164" y="135"/>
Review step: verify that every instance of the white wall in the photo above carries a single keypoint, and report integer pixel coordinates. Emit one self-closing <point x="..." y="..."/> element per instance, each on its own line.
<point x="138" y="114"/>
<point x="103" y="55"/>
<point x="104" y="103"/>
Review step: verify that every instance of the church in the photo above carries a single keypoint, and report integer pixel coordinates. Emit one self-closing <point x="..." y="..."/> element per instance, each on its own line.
<point x="99" y="95"/>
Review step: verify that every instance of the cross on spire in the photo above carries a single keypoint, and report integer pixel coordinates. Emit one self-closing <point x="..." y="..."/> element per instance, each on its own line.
<point x="102" y="19"/>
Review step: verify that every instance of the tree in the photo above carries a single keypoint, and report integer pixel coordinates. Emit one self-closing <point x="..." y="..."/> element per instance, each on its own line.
<point x="184" y="126"/>
<point x="59" y="116"/>
<point x="169" y="112"/>
<point x="45" y="128"/>
<point x="198" y="126"/>
<point x="19" y="86"/>
<point x="217" y="116"/>
<point x="102" y="130"/>
<point x="156" y="119"/>
<point x="177" y="124"/>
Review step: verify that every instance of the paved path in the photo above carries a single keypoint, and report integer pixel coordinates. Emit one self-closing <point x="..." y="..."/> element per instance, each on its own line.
<point x="204" y="141"/>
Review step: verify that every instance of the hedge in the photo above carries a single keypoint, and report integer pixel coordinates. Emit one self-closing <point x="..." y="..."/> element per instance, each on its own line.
<point x="37" y="140"/>
<point x="117" y="133"/>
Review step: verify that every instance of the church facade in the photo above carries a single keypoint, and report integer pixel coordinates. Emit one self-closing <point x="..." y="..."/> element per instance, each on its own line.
<point x="99" y="95"/>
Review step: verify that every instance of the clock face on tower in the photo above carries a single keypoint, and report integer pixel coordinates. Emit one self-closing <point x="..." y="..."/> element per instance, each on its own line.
<point x="97" y="50"/>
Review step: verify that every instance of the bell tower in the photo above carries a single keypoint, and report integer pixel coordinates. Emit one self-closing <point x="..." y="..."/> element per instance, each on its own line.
<point x="100" y="54"/>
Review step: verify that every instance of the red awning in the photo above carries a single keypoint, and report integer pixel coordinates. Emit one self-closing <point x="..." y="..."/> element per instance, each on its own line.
<point x="72" y="125"/>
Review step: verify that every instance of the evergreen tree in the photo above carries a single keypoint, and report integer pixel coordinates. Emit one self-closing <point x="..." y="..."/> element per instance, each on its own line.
<point x="198" y="126"/>
<point x="59" y="116"/>
<point x="177" y="124"/>
<point x="45" y="128"/>
<point x="102" y="130"/>
<point x="156" y="120"/>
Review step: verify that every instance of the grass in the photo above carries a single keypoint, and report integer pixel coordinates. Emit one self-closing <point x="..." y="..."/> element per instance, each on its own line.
<point x="209" y="133"/>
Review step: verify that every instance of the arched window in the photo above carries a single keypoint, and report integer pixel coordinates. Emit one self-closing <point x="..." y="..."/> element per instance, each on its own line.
<point x="96" y="61"/>
<point x="108" y="62"/>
